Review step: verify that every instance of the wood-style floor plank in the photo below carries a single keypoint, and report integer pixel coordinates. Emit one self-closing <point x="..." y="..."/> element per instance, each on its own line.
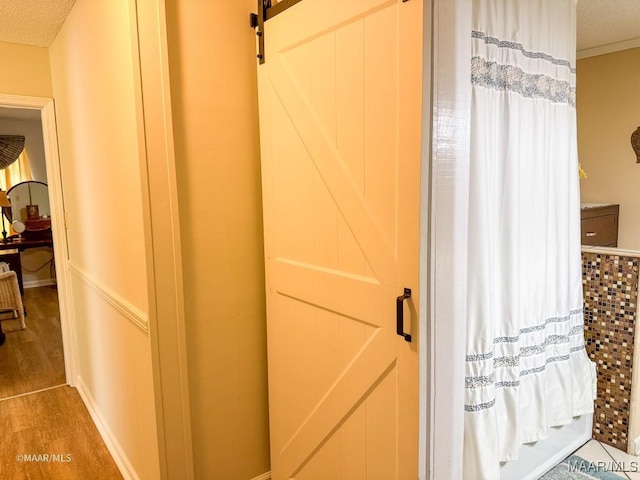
<point x="50" y="435"/>
<point x="32" y="359"/>
<point x="44" y="434"/>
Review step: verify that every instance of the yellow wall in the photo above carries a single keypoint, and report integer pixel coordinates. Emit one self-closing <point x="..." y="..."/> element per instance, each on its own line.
<point x="94" y="89"/>
<point x="25" y="70"/>
<point x="608" y="106"/>
<point x="214" y="100"/>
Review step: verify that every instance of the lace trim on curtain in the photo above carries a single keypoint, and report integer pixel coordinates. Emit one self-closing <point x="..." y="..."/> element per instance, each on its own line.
<point x="488" y="380"/>
<point x="513" y="361"/>
<point x="541" y="326"/>
<point x="519" y="47"/>
<point x="510" y="78"/>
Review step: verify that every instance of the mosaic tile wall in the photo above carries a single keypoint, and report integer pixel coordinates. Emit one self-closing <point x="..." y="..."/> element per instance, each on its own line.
<point x="610" y="285"/>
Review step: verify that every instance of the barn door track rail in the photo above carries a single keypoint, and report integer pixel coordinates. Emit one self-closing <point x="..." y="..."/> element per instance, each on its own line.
<point x="266" y="11"/>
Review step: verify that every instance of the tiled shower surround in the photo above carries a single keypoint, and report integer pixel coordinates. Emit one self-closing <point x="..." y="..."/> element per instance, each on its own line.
<point x="610" y="285"/>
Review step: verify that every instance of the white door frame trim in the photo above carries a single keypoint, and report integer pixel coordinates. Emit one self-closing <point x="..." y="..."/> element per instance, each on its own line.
<point x="443" y="245"/>
<point x="58" y="223"/>
<point x="162" y="237"/>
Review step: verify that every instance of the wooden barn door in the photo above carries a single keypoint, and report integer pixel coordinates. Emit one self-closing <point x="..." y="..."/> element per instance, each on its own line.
<point x="340" y="112"/>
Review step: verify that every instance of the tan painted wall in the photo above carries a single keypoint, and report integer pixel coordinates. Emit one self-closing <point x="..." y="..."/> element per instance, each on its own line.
<point x="26" y="70"/>
<point x="28" y="73"/>
<point x="608" y="106"/>
<point x="94" y="89"/>
<point x="214" y="101"/>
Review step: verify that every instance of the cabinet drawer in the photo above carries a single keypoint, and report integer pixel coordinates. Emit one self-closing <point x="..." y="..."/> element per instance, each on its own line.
<point x="38" y="224"/>
<point x="601" y="231"/>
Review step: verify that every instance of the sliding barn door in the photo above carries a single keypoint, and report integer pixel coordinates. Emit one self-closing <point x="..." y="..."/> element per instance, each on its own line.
<point x="340" y="112"/>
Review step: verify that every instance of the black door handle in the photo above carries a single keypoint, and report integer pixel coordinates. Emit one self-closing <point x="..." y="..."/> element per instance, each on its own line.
<point x="400" y="314"/>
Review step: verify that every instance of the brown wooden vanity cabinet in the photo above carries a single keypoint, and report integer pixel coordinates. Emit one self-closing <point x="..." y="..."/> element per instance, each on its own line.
<point x="599" y="225"/>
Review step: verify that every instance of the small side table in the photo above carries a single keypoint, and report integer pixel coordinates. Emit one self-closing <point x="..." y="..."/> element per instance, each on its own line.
<point x="11" y="248"/>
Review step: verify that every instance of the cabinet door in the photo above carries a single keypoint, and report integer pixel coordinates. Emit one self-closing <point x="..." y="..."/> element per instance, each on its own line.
<point x="599" y="226"/>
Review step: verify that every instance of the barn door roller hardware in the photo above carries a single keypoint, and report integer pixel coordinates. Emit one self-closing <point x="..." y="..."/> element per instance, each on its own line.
<point x="265" y="12"/>
<point x="257" y="23"/>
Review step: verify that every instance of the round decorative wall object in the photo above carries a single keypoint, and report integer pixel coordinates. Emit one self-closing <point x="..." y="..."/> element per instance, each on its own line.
<point x="635" y="143"/>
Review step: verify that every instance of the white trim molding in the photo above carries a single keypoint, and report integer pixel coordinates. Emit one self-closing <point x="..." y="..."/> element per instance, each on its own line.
<point x="20" y="101"/>
<point x="443" y="244"/>
<point x="60" y="245"/>
<point x="38" y="283"/>
<point x="54" y="180"/>
<point x="128" y="310"/>
<point x="110" y="440"/>
<point x="161" y="222"/>
<point x="264" y="476"/>
<point x="634" y="446"/>
<point x="612" y="47"/>
<point x="610" y="251"/>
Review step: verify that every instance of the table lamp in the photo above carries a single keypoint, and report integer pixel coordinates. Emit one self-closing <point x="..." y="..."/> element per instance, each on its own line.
<point x="4" y="202"/>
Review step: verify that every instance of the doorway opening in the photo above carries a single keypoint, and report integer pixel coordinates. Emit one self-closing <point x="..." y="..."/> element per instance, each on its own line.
<point x="37" y="357"/>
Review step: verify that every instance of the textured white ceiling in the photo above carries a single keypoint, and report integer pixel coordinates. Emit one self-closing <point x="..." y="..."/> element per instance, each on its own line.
<point x="36" y="22"/>
<point x="603" y="22"/>
<point x="32" y="22"/>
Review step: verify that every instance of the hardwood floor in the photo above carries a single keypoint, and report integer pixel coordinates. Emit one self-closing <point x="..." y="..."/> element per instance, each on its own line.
<point x="44" y="434"/>
<point x="49" y="435"/>
<point x="32" y="359"/>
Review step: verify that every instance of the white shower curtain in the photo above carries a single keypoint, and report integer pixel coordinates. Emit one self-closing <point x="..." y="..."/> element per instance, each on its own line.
<point x="526" y="366"/>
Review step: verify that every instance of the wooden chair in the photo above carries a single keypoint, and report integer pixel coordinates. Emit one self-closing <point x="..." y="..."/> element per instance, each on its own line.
<point x="11" y="306"/>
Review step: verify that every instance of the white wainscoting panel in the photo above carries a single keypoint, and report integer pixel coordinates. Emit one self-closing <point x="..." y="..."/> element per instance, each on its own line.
<point x="110" y="440"/>
<point x="130" y="311"/>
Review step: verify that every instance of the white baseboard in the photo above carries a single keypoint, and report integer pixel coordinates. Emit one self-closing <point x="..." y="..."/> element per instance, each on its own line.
<point x="264" y="476"/>
<point x="110" y="440"/>
<point x="38" y="283"/>
<point x="116" y="451"/>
